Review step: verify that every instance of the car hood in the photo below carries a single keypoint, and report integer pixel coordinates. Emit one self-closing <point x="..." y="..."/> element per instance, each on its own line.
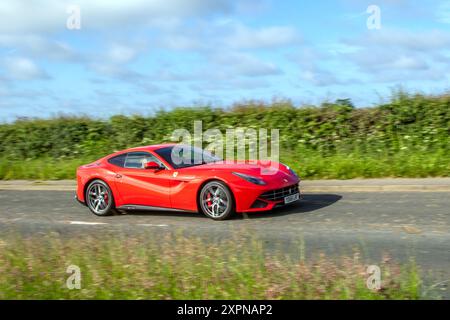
<point x="268" y="171"/>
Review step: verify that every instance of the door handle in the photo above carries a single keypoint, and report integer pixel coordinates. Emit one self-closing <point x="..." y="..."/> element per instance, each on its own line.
<point x="118" y="176"/>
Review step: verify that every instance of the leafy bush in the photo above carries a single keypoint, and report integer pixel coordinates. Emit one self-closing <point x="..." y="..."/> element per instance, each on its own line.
<point x="408" y="136"/>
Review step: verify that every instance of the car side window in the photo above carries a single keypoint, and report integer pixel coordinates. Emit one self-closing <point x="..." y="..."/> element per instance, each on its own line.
<point x="118" y="160"/>
<point x="137" y="160"/>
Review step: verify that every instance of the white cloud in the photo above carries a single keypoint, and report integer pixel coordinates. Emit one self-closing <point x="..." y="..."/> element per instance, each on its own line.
<point x="396" y="38"/>
<point x="39" y="16"/>
<point x="379" y="59"/>
<point x="400" y="55"/>
<point x="241" y="64"/>
<point x="19" y="68"/>
<point x="408" y="63"/>
<point x="117" y="72"/>
<point x="226" y="34"/>
<point x="114" y="61"/>
<point x="443" y="13"/>
<point x="309" y="61"/>
<point x="244" y="37"/>
<point x="38" y="46"/>
<point x="319" y="77"/>
<point x="30" y="29"/>
<point x="231" y="84"/>
<point x="181" y="42"/>
<point x="120" y="53"/>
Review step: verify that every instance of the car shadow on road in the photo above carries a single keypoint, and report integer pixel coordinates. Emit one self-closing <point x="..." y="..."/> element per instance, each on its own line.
<point x="309" y="203"/>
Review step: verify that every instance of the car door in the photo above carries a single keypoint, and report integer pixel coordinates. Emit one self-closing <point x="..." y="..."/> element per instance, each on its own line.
<point x="140" y="186"/>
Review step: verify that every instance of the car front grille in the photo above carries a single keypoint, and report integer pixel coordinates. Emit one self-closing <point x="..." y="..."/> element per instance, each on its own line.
<point x="280" y="194"/>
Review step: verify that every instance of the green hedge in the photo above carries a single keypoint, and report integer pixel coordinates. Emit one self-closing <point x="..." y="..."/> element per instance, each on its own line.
<point x="408" y="126"/>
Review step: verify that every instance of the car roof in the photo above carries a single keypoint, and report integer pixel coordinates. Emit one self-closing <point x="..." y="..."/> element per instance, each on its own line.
<point x="150" y="148"/>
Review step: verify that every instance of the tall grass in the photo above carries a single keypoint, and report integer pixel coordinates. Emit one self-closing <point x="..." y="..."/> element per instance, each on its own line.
<point x="40" y="169"/>
<point x="175" y="267"/>
<point x="357" y="165"/>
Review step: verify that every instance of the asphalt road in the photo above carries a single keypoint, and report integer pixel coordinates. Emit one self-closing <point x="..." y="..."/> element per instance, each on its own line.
<point x="403" y="225"/>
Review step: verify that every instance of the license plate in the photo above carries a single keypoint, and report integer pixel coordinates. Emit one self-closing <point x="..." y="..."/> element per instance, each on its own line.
<point x="292" y="198"/>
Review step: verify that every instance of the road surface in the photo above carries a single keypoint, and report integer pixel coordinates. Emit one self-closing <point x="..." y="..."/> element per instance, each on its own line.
<point x="401" y="224"/>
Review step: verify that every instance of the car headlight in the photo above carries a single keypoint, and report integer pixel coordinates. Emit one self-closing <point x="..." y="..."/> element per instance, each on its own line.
<point x="251" y="179"/>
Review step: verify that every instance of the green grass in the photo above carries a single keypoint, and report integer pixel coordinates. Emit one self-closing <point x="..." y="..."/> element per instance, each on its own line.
<point x="40" y="169"/>
<point x="354" y="165"/>
<point x="176" y="267"/>
<point x="309" y="165"/>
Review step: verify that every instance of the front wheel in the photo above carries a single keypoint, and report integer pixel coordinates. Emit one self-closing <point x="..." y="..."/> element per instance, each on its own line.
<point x="216" y="201"/>
<point x="99" y="198"/>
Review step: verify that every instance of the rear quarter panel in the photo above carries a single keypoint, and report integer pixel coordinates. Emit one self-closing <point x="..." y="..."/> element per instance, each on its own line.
<point x="88" y="173"/>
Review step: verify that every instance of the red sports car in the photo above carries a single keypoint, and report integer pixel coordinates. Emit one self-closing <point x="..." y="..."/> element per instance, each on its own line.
<point x="151" y="178"/>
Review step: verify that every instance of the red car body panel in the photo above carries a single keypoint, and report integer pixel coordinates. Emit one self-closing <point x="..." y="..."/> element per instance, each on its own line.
<point x="178" y="189"/>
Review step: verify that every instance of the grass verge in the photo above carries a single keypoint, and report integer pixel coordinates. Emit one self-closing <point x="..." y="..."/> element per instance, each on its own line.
<point x="308" y="165"/>
<point x="176" y="267"/>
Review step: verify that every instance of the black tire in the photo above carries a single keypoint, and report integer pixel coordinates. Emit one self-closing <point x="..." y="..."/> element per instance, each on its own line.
<point x="221" y="205"/>
<point x="102" y="203"/>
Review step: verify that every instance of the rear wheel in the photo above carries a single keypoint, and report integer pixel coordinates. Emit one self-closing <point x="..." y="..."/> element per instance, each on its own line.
<point x="216" y="201"/>
<point x="99" y="198"/>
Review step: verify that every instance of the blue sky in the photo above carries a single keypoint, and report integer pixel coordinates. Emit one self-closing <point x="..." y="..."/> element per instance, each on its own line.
<point x="140" y="56"/>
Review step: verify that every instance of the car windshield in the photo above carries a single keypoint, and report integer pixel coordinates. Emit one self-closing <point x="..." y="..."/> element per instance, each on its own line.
<point x="182" y="156"/>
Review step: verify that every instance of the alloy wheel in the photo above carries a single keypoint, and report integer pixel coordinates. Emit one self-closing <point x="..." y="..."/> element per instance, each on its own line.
<point x="98" y="198"/>
<point x="215" y="200"/>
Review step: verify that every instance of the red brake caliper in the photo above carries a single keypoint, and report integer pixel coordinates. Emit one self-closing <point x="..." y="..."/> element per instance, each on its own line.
<point x="209" y="203"/>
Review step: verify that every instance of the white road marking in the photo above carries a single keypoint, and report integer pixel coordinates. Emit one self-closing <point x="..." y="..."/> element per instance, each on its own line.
<point x="87" y="223"/>
<point x="152" y="225"/>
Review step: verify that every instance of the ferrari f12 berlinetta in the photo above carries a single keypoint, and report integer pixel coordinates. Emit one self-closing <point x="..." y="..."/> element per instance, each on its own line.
<point x="185" y="179"/>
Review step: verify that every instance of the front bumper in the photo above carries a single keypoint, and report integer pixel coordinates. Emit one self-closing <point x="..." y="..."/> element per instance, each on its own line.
<point x="266" y="200"/>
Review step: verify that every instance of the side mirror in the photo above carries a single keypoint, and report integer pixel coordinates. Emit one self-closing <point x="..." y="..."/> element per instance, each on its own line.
<point x="152" y="165"/>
